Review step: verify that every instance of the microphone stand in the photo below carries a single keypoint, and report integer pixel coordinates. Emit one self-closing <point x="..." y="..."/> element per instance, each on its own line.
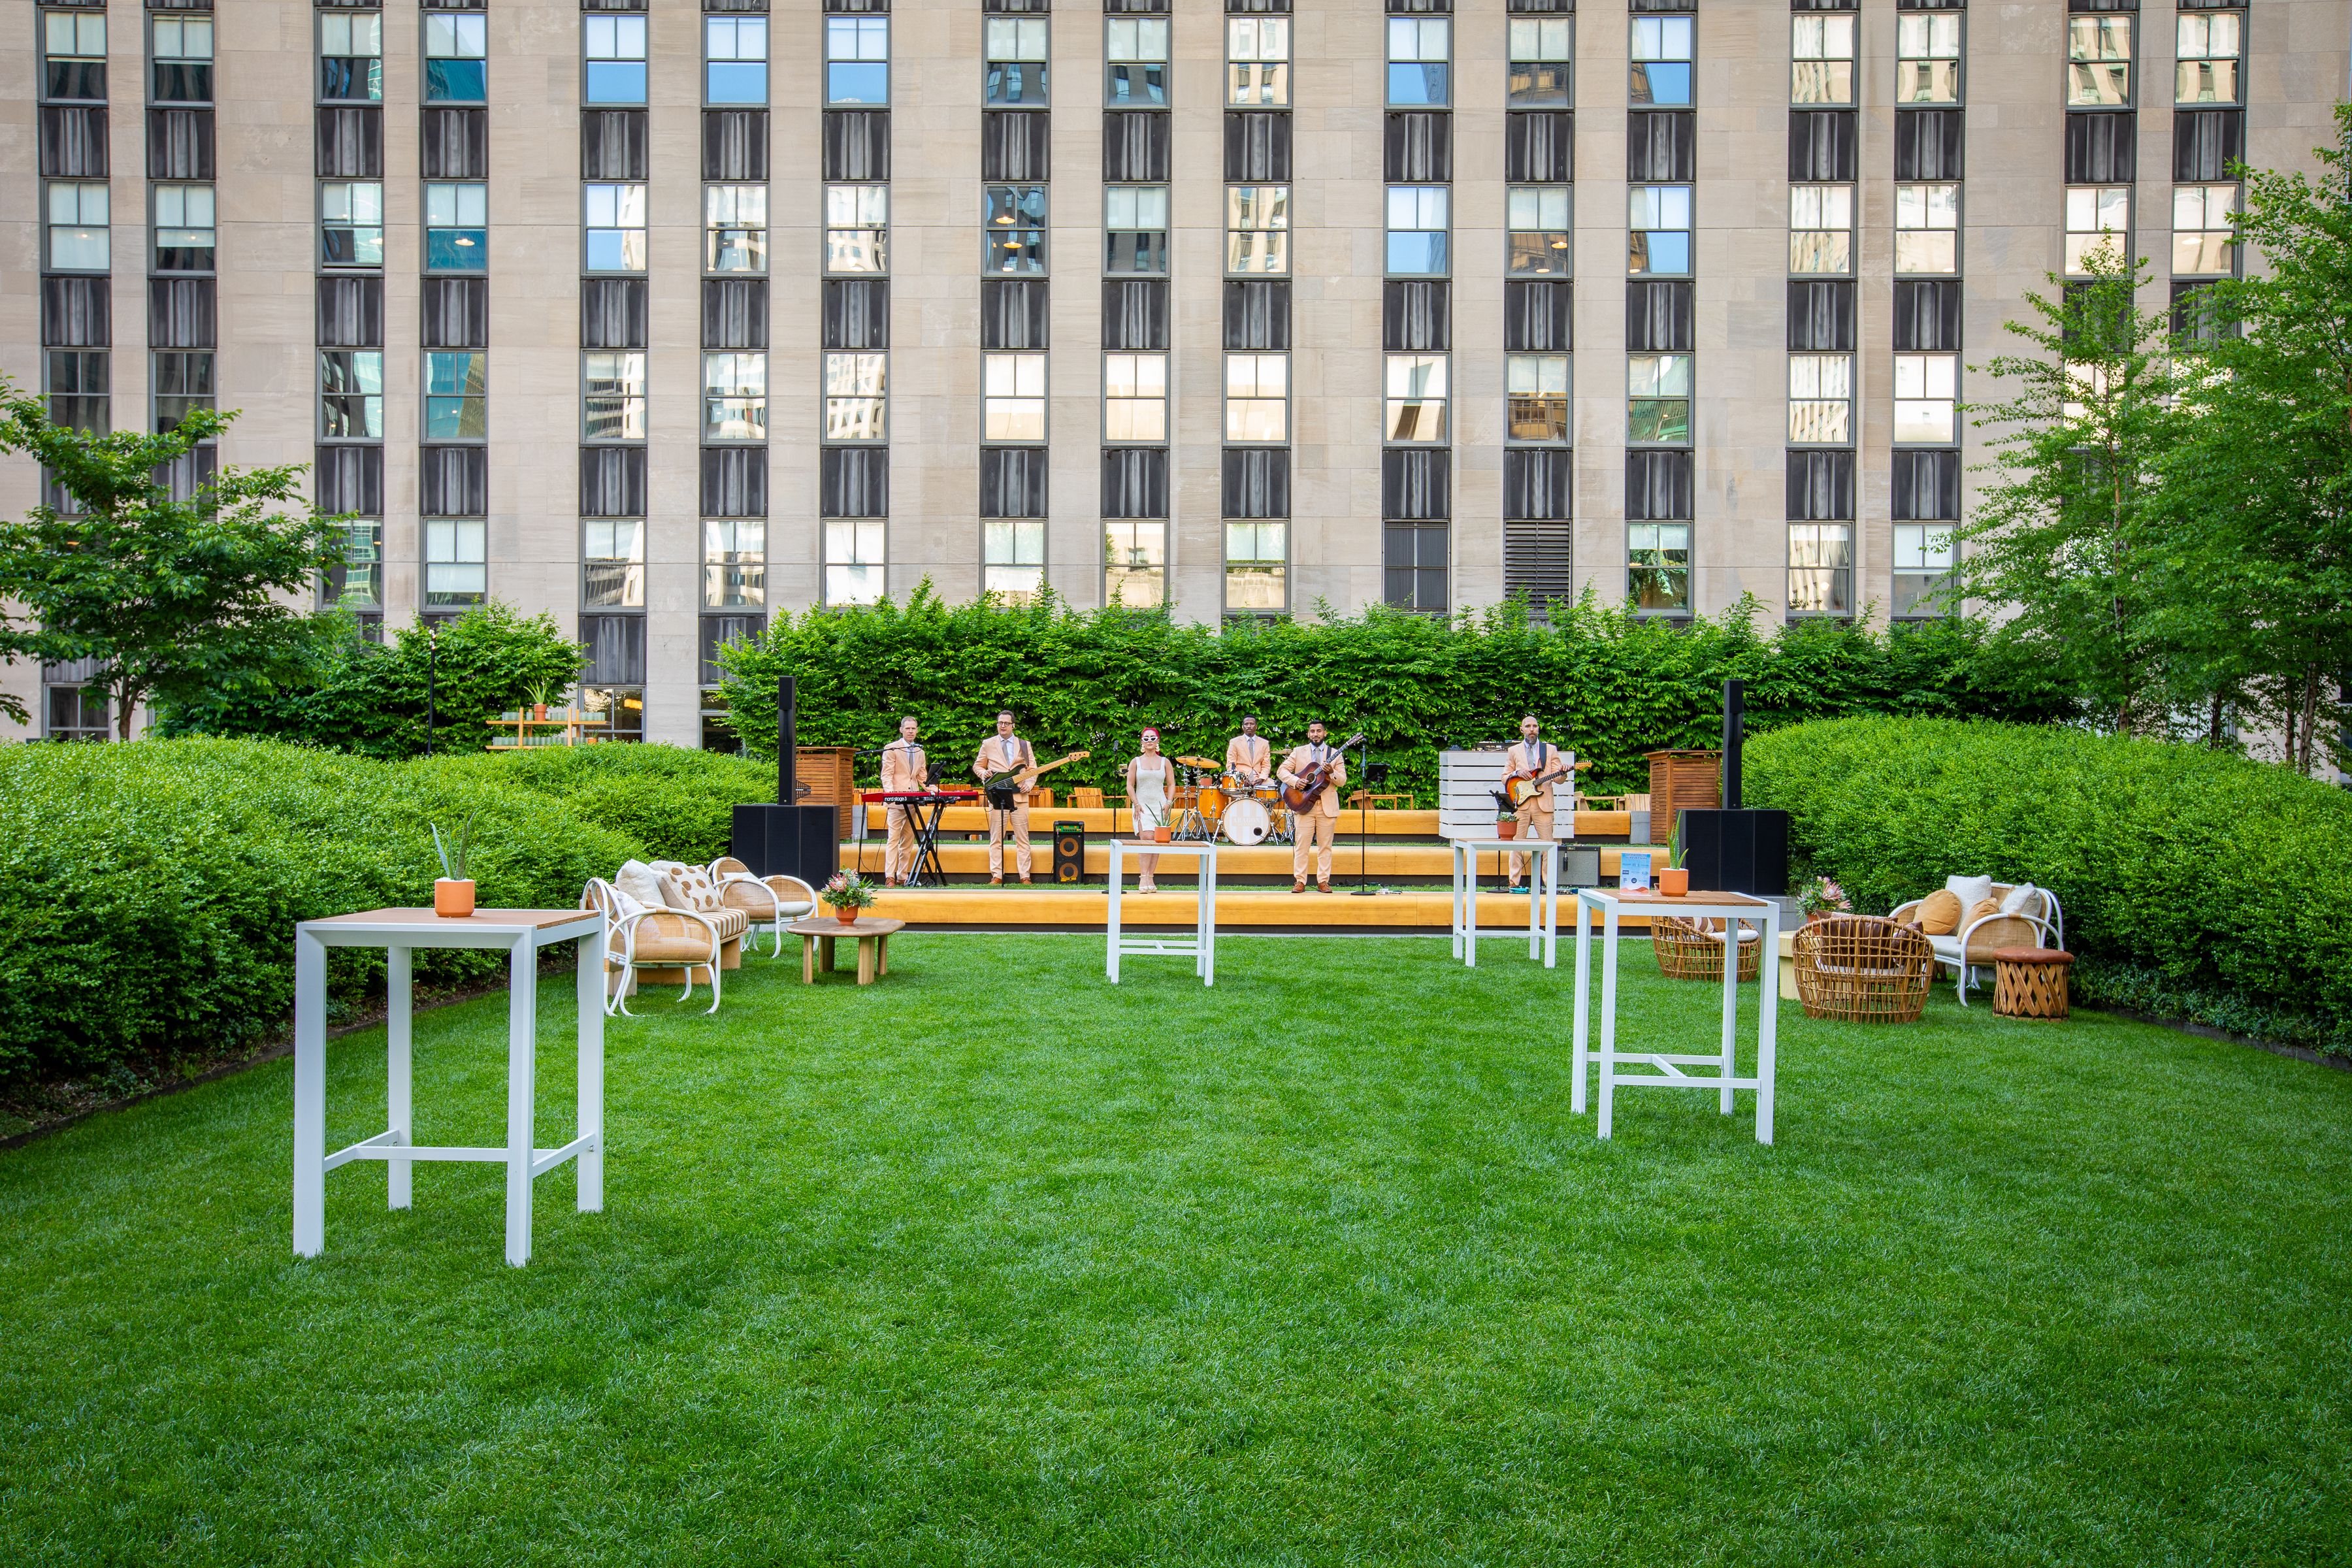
<point x="1363" y="823"/>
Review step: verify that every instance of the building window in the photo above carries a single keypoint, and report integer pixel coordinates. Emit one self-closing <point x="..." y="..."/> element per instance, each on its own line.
<point x="1923" y="562"/>
<point x="856" y="60"/>
<point x="1135" y="397"/>
<point x="184" y="61"/>
<point x="735" y="59"/>
<point x="184" y="228"/>
<point x="1657" y="565"/>
<point x="1257" y="397"/>
<point x="1417" y="229"/>
<point x="78" y="227"/>
<point x="351" y="223"/>
<point x="735" y="230"/>
<point x="1657" y="399"/>
<point x="1420" y="48"/>
<point x="457" y="227"/>
<point x="612" y="564"/>
<point x="351" y="56"/>
<point x="73" y="55"/>
<point x="1925" y="388"/>
<point x="354" y="580"/>
<point x="1257" y="62"/>
<point x="457" y="55"/>
<point x="2206" y="51"/>
<point x="1135" y="565"/>
<point x="78" y="385"/>
<point x="351" y="394"/>
<point x="1012" y="557"/>
<point x="613" y="396"/>
<point x="1927" y="57"/>
<point x="735" y="561"/>
<point x="1257" y="568"/>
<point x="620" y="710"/>
<point x="1662" y="55"/>
<point x="456" y="561"/>
<point x="1257" y="229"/>
<point x="616" y="218"/>
<point x="1821" y="569"/>
<point x="1658" y="218"/>
<point x="1135" y="52"/>
<point x="857" y="400"/>
<point x="76" y="713"/>
<point x="1537" y="385"/>
<point x="1013" y="397"/>
<point x="2098" y="217"/>
<point x="2201" y="230"/>
<point x="1413" y="409"/>
<point x="1821" y="50"/>
<point x="1538" y="231"/>
<point x="1413" y="565"/>
<point x="734" y="397"/>
<point x="1135" y="228"/>
<point x="1539" y="62"/>
<point x="1928" y="229"/>
<point x="1820" y="399"/>
<point x="1013" y="224"/>
<point x="615" y="47"/>
<point x="856" y="227"/>
<point x="853" y="560"/>
<point x="1016" y="61"/>
<point x="2098" y="61"/>
<point x="1821" y="229"/>
<point x="184" y="382"/>
<point x="456" y="406"/>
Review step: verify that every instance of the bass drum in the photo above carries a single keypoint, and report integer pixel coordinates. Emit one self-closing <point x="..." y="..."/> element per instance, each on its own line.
<point x="1248" y="821"/>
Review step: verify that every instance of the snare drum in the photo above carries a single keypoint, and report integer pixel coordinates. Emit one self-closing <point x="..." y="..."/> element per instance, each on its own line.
<point x="1248" y="821"/>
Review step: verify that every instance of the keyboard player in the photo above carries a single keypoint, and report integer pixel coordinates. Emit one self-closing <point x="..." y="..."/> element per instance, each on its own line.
<point x="904" y="771"/>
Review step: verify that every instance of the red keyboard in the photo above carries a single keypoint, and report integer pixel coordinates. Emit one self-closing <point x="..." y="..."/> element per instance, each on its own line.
<point x="916" y="797"/>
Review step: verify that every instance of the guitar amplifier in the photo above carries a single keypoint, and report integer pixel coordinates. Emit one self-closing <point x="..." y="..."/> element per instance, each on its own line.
<point x="1069" y="852"/>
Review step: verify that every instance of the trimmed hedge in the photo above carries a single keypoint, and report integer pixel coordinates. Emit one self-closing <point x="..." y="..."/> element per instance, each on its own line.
<point x="675" y="804"/>
<point x="2194" y="882"/>
<point x="148" y="891"/>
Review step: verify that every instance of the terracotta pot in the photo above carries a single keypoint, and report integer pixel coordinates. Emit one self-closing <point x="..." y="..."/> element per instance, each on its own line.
<point x="539" y="709"/>
<point x="1161" y="836"/>
<point x="846" y="914"/>
<point x="1507" y="830"/>
<point x="453" y="900"/>
<point x="1674" y="881"/>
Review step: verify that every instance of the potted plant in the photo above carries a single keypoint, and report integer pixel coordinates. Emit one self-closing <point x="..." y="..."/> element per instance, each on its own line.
<point x="1162" y="834"/>
<point x="538" y="696"/>
<point x="1819" y="897"/>
<point x="1673" y="877"/>
<point x="453" y="893"/>
<point x="846" y="894"/>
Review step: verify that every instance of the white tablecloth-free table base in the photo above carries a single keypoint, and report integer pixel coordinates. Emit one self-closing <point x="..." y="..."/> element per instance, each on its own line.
<point x="522" y="932"/>
<point x="1732" y="908"/>
<point x="1543" y="895"/>
<point x="1201" y="947"/>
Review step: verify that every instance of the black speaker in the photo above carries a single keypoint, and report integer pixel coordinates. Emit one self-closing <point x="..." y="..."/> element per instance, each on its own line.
<point x="1737" y="851"/>
<point x="1069" y="852"/>
<point x="788" y="840"/>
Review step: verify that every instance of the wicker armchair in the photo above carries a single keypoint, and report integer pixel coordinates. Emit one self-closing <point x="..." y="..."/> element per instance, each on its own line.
<point x="769" y="901"/>
<point x="670" y="942"/>
<point x="1693" y="950"/>
<point x="1862" y="970"/>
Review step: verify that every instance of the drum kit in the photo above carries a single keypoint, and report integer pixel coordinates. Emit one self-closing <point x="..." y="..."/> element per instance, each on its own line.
<point x="1210" y="803"/>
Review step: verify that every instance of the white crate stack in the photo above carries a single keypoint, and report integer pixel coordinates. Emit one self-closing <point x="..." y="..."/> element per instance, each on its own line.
<point x="1466" y="782"/>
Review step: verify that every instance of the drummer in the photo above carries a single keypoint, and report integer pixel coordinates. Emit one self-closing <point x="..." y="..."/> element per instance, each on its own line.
<point x="1151" y="786"/>
<point x="1249" y="759"/>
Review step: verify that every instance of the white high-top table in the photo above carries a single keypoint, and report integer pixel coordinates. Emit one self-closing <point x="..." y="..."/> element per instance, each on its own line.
<point x="1733" y="910"/>
<point x="1543" y="895"/>
<point x="522" y="932"/>
<point x="1202" y="945"/>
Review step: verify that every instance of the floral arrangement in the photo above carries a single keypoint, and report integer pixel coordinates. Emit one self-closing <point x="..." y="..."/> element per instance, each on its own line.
<point x="848" y="890"/>
<point x="1821" y="897"/>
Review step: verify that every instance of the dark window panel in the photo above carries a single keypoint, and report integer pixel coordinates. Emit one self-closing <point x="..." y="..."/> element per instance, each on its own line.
<point x="613" y="313"/>
<point x="613" y="144"/>
<point x="1539" y="483"/>
<point x="2206" y="142"/>
<point x="1658" y="317"/>
<point x="453" y="481"/>
<point x="1926" y="486"/>
<point x="456" y="313"/>
<point x="734" y="481"/>
<point x="348" y="481"/>
<point x="1928" y="143"/>
<point x="1416" y="485"/>
<point x="1134" y="313"/>
<point x="1135" y="148"/>
<point x="1538" y="147"/>
<point x="1413" y="565"/>
<point x="77" y="312"/>
<point x="1823" y="144"/>
<point x="1257" y="146"/>
<point x="1928" y="315"/>
<point x="1658" y="486"/>
<point x="611" y="481"/>
<point x="1013" y="313"/>
<point x="718" y="631"/>
<point x="183" y="313"/>
<point x="1013" y="481"/>
<point x="1416" y="316"/>
<point x="1820" y="316"/>
<point x="857" y="313"/>
<point x="854" y="481"/>
<point x="616" y="650"/>
<point x="178" y="143"/>
<point x="1538" y="317"/>
<point x="735" y="144"/>
<point x="454" y="144"/>
<point x="73" y="142"/>
<point x="1661" y="145"/>
<point x="735" y="312"/>
<point x="1257" y="313"/>
<point x="1418" y="146"/>
<point x="349" y="143"/>
<point x="1821" y="486"/>
<point x="857" y="144"/>
<point x="1256" y="482"/>
<point x="2101" y="148"/>
<point x="1017" y="145"/>
<point x="1135" y="482"/>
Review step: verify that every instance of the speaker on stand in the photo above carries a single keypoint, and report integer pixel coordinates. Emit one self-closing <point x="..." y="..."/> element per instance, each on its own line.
<point x="1069" y="852"/>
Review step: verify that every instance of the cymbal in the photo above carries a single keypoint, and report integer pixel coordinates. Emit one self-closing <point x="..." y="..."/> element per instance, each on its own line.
<point x="1201" y="763"/>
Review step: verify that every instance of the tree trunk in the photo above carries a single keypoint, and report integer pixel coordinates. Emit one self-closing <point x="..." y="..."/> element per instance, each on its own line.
<point x="2310" y="717"/>
<point x="2287" y="709"/>
<point x="2213" y="726"/>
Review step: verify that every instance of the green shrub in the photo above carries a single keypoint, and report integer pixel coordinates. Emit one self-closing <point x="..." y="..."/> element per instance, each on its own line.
<point x="148" y="891"/>
<point x="2191" y="879"/>
<point x="679" y="804"/>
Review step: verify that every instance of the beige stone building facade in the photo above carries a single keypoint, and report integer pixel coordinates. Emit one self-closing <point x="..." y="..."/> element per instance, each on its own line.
<point x="665" y="317"/>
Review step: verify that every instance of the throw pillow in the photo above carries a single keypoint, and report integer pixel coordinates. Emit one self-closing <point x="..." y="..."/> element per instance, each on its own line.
<point x="2023" y="900"/>
<point x="698" y="890"/>
<point x="1938" y="914"/>
<point x="1978" y="911"/>
<point x="1969" y="890"/>
<point x="639" y="881"/>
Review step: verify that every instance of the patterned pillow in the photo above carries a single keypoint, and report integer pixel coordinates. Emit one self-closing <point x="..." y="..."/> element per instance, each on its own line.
<point x="702" y="893"/>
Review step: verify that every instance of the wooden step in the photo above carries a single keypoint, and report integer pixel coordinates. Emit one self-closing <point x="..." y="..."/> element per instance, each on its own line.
<point x="1385" y="862"/>
<point x="1379" y="824"/>
<point x="1237" y="909"/>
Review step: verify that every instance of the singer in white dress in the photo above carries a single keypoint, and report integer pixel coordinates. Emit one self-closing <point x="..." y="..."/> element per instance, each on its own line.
<point x="1149" y="778"/>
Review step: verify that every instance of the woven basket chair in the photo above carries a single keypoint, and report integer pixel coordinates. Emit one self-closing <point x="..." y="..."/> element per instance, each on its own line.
<point x="1862" y="970"/>
<point x="1693" y="950"/>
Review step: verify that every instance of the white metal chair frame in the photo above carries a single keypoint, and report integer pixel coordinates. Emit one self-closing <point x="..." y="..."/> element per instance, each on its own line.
<point x="603" y="894"/>
<point x="2052" y="933"/>
<point x="723" y="880"/>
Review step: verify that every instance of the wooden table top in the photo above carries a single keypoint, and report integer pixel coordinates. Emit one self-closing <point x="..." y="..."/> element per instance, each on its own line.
<point x="832" y="925"/>
<point x="535" y="920"/>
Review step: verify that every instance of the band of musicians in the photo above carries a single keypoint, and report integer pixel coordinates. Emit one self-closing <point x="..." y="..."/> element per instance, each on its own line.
<point x="1254" y="794"/>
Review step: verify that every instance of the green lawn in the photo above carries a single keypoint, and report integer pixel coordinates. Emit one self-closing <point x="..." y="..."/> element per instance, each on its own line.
<point x="995" y="1264"/>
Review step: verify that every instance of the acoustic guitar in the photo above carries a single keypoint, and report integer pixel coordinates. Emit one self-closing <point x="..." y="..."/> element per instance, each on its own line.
<point x="1301" y="796"/>
<point x="1005" y="787"/>
<point x="1523" y="790"/>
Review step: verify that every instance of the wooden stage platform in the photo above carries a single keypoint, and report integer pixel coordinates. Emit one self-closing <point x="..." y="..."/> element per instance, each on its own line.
<point x="1420" y="911"/>
<point x="1380" y="861"/>
<point x="1589" y="824"/>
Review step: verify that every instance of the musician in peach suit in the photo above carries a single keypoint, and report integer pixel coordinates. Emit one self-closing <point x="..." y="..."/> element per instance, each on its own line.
<point x="1319" y="823"/>
<point x="1248" y="757"/>
<point x="1005" y="752"/>
<point x="904" y="770"/>
<point x="1531" y="758"/>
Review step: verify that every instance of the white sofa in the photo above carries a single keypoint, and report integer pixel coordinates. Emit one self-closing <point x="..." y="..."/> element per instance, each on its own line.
<point x="2037" y="922"/>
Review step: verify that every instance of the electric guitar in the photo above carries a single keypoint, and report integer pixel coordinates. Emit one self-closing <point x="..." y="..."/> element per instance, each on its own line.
<point x="1007" y="785"/>
<point x="1523" y="789"/>
<point x="1301" y="796"/>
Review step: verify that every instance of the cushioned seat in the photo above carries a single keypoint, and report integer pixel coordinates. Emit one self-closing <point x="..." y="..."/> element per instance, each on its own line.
<point x="662" y="944"/>
<point x="770" y="901"/>
<point x="2037" y="921"/>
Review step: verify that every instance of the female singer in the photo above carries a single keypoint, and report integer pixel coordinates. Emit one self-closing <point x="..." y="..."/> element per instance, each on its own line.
<point x="1150" y="778"/>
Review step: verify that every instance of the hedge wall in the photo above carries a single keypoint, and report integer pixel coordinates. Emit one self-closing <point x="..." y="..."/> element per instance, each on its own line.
<point x="675" y="805"/>
<point x="2194" y="882"/>
<point x="1612" y="685"/>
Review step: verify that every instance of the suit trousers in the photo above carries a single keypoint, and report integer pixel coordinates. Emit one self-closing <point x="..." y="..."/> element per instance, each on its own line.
<point x="898" y="854"/>
<point x="1019" y="819"/>
<point x="1535" y="816"/>
<point x="1314" y="829"/>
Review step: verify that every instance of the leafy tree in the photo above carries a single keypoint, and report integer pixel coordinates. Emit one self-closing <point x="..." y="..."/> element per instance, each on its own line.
<point x="2258" y="491"/>
<point x="174" y="599"/>
<point x="2064" y="537"/>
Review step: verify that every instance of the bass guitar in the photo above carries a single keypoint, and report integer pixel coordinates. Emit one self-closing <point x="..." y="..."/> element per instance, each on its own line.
<point x="1523" y="790"/>
<point x="1005" y="788"/>
<point x="1302" y="796"/>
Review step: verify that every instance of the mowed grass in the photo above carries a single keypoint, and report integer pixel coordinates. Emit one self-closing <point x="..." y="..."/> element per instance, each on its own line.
<point x="994" y="1263"/>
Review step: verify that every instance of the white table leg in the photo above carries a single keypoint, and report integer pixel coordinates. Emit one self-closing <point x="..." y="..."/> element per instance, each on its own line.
<point x="590" y="989"/>
<point x="1551" y="913"/>
<point x="1583" y="1008"/>
<point x="1470" y="913"/>
<point x="1608" y="1017"/>
<point x="1208" y="918"/>
<point x="1111" y="963"/>
<point x="1454" y="871"/>
<point x="399" y="1100"/>
<point x="1535" y="904"/>
<point x="523" y="1028"/>
<point x="1767" y="1023"/>
<point x="310" y="1095"/>
<point x="1731" y="925"/>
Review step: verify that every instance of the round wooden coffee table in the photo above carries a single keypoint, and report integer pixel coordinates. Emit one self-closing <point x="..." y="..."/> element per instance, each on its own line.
<point x="2029" y="982"/>
<point x="871" y="933"/>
